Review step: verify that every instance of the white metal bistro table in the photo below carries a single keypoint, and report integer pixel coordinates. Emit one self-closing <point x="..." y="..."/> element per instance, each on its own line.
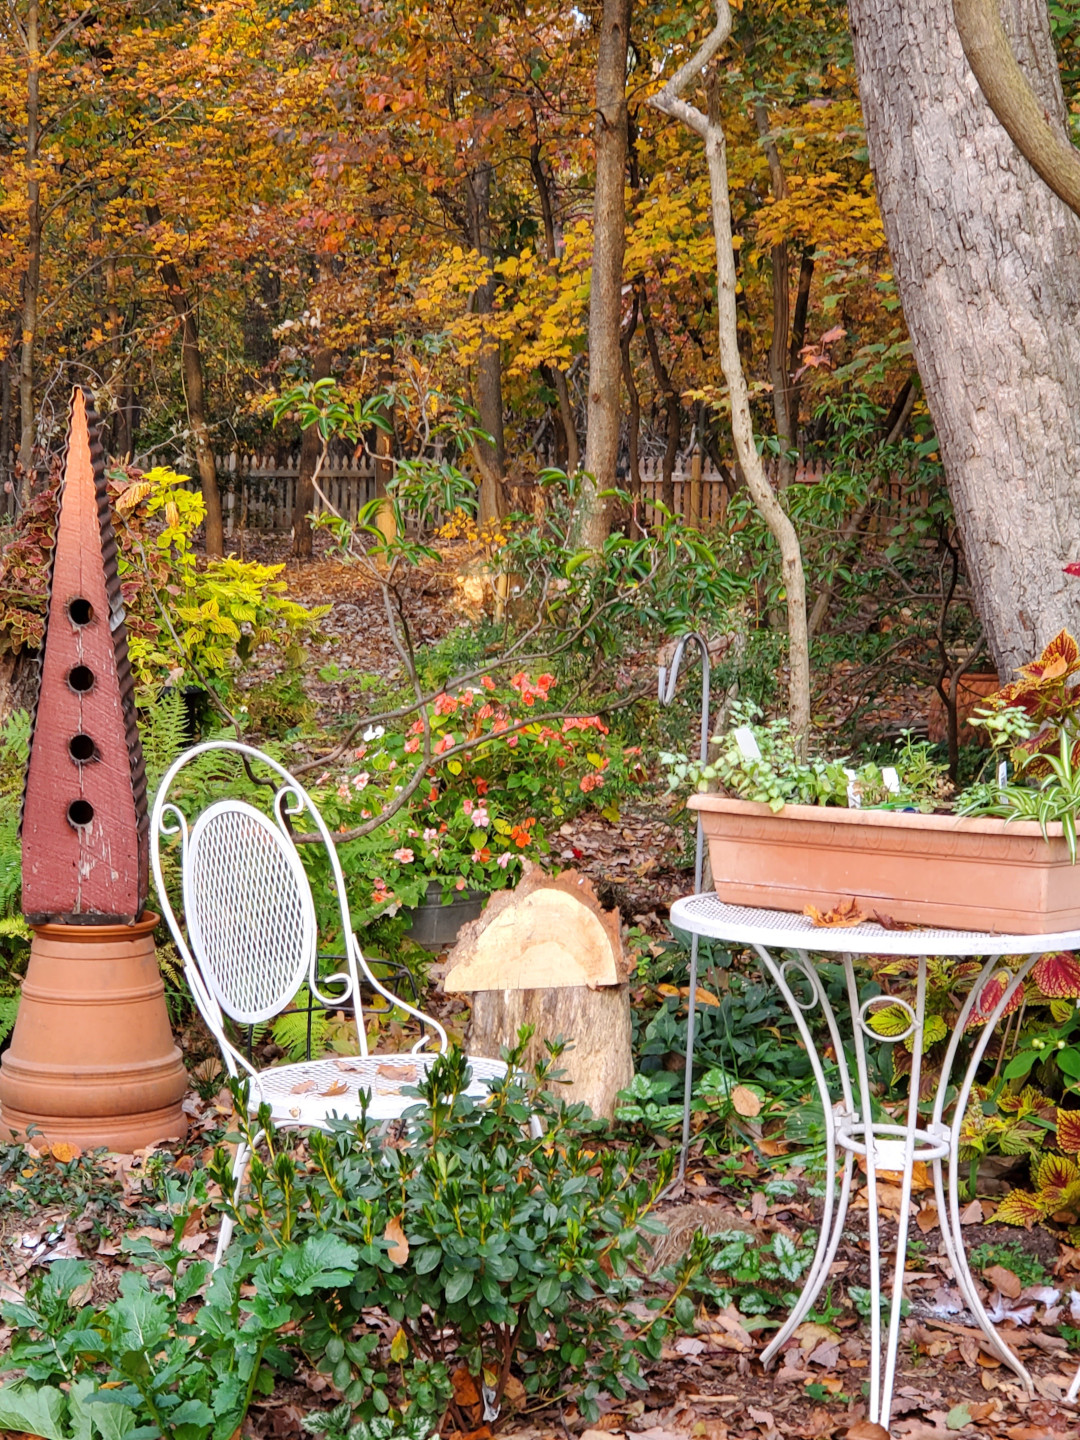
<point x="850" y="1128"/>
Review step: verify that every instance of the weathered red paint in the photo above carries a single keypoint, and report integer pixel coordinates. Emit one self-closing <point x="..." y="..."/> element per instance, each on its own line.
<point x="84" y="822"/>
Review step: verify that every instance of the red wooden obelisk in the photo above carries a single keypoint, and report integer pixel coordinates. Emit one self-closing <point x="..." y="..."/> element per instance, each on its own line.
<point x="92" y="1059"/>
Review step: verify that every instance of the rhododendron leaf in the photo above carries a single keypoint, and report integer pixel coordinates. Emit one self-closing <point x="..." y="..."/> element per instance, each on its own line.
<point x="1019" y="1208"/>
<point x="1058" y="975"/>
<point x="1068" y="1131"/>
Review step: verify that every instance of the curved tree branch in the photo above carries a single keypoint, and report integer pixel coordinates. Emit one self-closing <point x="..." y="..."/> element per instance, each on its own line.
<point x="1010" y="96"/>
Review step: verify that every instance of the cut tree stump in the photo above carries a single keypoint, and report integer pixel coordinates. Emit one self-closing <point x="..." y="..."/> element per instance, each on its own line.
<point x="548" y="955"/>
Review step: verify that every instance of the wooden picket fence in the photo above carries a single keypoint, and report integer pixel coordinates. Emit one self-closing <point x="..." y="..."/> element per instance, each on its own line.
<point x="258" y="492"/>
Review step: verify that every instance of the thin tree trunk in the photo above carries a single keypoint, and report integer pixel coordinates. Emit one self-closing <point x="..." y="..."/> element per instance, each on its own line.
<point x="605" y="297"/>
<point x="310" y="450"/>
<point x="672" y="408"/>
<point x="634" y="407"/>
<point x="32" y="274"/>
<point x="489" y="398"/>
<point x="779" y="374"/>
<point x="194" y="393"/>
<point x="114" y="322"/>
<point x="742" y="427"/>
<point x="987" y="261"/>
<point x="558" y="376"/>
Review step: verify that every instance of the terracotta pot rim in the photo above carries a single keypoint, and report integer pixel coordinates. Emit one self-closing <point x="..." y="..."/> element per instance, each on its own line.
<point x="92" y="934"/>
<point x="890" y="819"/>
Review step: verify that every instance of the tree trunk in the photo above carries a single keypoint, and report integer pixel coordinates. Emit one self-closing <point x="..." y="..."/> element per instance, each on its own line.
<point x="672" y="409"/>
<point x="633" y="437"/>
<point x="605" y="296"/>
<point x="489" y="398"/>
<point x="988" y="265"/>
<point x="32" y="274"/>
<point x="310" y="450"/>
<point x="192" y="366"/>
<point x="779" y="375"/>
<point x="558" y="376"/>
<point x="708" y="126"/>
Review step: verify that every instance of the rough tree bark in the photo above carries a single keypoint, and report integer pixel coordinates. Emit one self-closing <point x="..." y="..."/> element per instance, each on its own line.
<point x="558" y="376"/>
<point x="987" y="261"/>
<point x="742" y="425"/>
<point x="1013" y="100"/>
<point x="605" y="297"/>
<point x="194" y="392"/>
<point x="32" y="274"/>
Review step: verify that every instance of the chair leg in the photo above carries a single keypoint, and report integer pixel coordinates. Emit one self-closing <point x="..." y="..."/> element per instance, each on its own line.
<point x="239" y="1170"/>
<point x="1074" y="1388"/>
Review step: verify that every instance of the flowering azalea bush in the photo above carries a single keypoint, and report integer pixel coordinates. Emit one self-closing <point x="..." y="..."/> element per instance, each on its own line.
<point x="497" y="778"/>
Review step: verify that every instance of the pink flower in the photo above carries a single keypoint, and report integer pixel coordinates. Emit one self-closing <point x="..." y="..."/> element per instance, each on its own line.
<point x="592" y="781"/>
<point x="487" y="682"/>
<point x="365" y="814"/>
<point x="468" y="697"/>
<point x="411" y="746"/>
<point x="481" y="856"/>
<point x="445" y="704"/>
<point x="405" y="855"/>
<point x="343" y="792"/>
<point x="459" y="883"/>
<point x="504" y="860"/>
<point x="430" y="834"/>
<point x="359" y="781"/>
<point x="360" y="752"/>
<point x="322" y="778"/>
<point x="480" y="816"/>
<point x="467" y="805"/>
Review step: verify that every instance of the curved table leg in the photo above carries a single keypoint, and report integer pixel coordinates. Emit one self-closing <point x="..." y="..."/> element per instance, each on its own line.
<point x="835" y="1211"/>
<point x="950" y="1215"/>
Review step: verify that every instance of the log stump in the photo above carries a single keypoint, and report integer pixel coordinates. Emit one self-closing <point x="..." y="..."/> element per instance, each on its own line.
<point x="548" y="955"/>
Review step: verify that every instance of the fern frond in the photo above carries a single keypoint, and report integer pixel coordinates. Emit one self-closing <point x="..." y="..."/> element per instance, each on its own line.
<point x="291" y="1031"/>
<point x="9" y="1009"/>
<point x="163" y="733"/>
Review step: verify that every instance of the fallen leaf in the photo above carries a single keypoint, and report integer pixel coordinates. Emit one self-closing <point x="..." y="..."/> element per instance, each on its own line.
<point x="303" y="1087"/>
<point x="927" y="1217"/>
<point x="971" y="1214"/>
<point x="866" y="1430"/>
<point x="745" y="1102"/>
<point x="845" y="913"/>
<point x="399" y="1245"/>
<point x="65" y="1152"/>
<point x="397" y="1072"/>
<point x="810" y="1335"/>
<point x="958" y="1417"/>
<point x="336" y="1087"/>
<point x="1004" y="1280"/>
<point x="465" y="1391"/>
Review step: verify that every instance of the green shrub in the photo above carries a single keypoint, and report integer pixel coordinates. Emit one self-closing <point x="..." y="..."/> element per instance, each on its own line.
<point x="487" y="1247"/>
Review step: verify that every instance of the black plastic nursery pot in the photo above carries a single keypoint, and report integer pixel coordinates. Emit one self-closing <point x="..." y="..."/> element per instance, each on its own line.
<point x="435" y="926"/>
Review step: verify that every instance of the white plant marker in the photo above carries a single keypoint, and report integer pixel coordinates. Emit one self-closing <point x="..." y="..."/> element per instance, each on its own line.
<point x="747" y="742"/>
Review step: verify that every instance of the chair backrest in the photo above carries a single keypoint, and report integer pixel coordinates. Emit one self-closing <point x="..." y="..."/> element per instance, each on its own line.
<point x="248" y="936"/>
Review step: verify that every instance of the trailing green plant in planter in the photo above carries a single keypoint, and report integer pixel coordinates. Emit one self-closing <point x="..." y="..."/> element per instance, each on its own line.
<point x="487" y="1247"/>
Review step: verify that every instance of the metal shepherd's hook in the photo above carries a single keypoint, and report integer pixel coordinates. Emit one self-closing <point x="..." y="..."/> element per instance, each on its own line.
<point x="667" y="681"/>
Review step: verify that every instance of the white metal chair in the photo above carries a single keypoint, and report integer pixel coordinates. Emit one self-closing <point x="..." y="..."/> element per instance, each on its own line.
<point x="249" y="941"/>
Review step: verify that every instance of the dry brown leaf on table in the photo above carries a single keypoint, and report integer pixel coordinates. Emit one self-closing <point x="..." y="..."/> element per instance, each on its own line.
<point x="397" y="1072"/>
<point x="399" y="1245"/>
<point x="744" y="1102"/>
<point x="303" y="1087"/>
<point x="336" y="1087"/>
<point x="350" y="1065"/>
<point x="845" y="913"/>
<point x="888" y="923"/>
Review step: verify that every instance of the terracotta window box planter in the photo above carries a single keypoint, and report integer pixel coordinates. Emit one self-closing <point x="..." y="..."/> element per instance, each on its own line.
<point x="960" y="873"/>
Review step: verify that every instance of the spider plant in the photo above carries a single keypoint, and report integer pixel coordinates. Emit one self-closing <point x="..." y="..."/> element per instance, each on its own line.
<point x="1056" y="796"/>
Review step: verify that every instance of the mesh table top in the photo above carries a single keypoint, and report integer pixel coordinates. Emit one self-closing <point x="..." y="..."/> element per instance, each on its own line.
<point x="712" y="918"/>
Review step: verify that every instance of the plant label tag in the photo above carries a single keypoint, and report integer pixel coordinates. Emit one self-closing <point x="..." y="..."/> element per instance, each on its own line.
<point x="1003" y="772"/>
<point x="890" y="779"/>
<point x="853" y="800"/>
<point x="745" y="740"/>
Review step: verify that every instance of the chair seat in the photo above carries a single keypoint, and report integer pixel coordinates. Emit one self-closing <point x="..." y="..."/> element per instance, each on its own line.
<point x="310" y="1092"/>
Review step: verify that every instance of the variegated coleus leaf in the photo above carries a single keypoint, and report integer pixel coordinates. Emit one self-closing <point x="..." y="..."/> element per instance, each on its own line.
<point x="1068" y="1131"/>
<point x="1057" y="975"/>
<point x="989" y="996"/>
<point x="1020" y="1208"/>
<point x="1052" y="1175"/>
